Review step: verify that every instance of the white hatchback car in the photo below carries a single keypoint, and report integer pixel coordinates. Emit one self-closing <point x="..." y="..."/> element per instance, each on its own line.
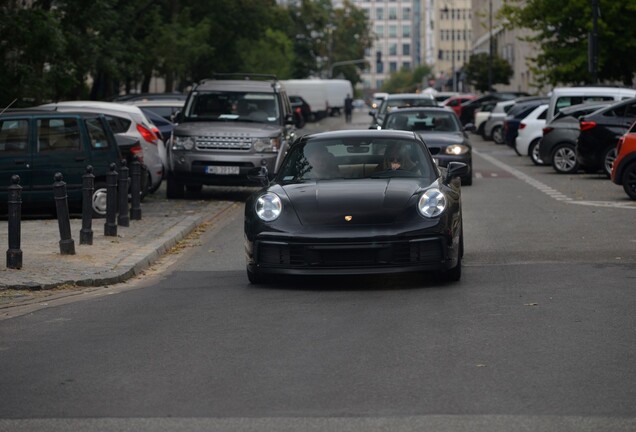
<point x="530" y="134"/>
<point x="130" y="121"/>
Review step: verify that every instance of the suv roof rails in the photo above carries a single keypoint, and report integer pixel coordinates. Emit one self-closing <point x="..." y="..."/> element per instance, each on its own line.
<point x="244" y="76"/>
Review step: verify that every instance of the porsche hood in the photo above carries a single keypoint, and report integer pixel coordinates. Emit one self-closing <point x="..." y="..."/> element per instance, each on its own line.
<point x="376" y="201"/>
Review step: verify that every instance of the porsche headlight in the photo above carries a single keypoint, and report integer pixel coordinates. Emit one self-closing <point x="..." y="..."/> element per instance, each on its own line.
<point x="432" y="203"/>
<point x="269" y="207"/>
<point x="262" y="145"/>
<point x="456" y="149"/>
<point x="183" y="143"/>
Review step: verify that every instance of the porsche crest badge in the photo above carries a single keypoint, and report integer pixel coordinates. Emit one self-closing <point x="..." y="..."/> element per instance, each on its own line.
<point x="348" y="218"/>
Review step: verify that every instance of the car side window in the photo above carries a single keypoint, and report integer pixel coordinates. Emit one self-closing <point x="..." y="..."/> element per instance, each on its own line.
<point x="14" y="136"/>
<point x="59" y="134"/>
<point x="118" y="124"/>
<point x="97" y="133"/>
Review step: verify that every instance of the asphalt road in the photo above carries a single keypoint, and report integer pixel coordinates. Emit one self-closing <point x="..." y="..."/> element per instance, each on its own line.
<point x="539" y="335"/>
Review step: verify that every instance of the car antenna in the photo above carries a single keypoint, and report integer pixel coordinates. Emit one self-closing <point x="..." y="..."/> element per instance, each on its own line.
<point x="8" y="106"/>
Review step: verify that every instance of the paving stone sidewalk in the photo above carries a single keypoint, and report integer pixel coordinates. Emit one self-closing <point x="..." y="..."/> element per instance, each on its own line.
<point x="109" y="259"/>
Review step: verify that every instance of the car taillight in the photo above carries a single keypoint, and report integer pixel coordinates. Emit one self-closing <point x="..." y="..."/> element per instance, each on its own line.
<point x="587" y="125"/>
<point x="147" y="134"/>
<point x="547" y="130"/>
<point x="136" y="150"/>
<point x="522" y="125"/>
<point x="157" y="132"/>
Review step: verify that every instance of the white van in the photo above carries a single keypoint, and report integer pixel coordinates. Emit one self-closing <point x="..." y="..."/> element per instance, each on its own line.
<point x="563" y="97"/>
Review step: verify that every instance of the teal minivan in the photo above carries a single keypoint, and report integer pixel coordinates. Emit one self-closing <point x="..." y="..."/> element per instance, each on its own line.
<point x="36" y="144"/>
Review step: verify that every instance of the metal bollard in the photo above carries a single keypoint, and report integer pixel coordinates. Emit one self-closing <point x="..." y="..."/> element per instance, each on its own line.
<point x="14" y="253"/>
<point x="123" y="219"/>
<point x="110" y="227"/>
<point x="88" y="186"/>
<point x="67" y="244"/>
<point x="135" y="189"/>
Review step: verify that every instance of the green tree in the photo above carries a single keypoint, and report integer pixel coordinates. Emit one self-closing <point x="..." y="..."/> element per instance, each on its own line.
<point x="477" y="71"/>
<point x="406" y="80"/>
<point x="271" y="54"/>
<point x="561" y="33"/>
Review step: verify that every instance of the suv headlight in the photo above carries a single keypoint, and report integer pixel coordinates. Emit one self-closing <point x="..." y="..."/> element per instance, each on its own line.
<point x="262" y="145"/>
<point x="432" y="203"/>
<point x="183" y="143"/>
<point x="268" y="207"/>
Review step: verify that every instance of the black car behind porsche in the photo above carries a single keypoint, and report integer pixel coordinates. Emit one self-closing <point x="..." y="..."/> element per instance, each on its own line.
<point x="356" y="202"/>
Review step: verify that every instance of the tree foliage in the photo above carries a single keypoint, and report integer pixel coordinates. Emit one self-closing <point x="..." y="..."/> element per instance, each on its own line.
<point x="478" y="70"/>
<point x="561" y="33"/>
<point x="72" y="49"/>
<point x="406" y="80"/>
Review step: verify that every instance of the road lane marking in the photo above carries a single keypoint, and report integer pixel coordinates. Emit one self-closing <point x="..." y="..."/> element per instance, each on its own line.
<point x="549" y="191"/>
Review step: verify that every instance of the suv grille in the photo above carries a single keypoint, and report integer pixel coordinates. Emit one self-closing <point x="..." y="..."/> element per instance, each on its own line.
<point x="226" y="142"/>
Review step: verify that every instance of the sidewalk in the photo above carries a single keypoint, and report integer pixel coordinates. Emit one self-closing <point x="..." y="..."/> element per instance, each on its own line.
<point x="109" y="259"/>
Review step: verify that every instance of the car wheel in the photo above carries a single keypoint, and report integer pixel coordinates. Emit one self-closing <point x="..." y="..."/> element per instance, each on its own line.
<point x="564" y="159"/>
<point x="609" y="156"/>
<point x="533" y="152"/>
<point x="174" y="188"/>
<point x="629" y="180"/>
<point x="98" y="200"/>
<point x="194" y="188"/>
<point x="497" y="135"/>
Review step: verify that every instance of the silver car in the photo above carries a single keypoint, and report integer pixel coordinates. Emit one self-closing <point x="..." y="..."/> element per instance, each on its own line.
<point x="127" y="120"/>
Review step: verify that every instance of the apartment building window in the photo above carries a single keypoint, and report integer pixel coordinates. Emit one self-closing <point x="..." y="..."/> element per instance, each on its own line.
<point x="379" y="68"/>
<point x="392" y="13"/>
<point x="379" y="13"/>
<point x="392" y="30"/>
<point x="392" y="66"/>
<point x="406" y="65"/>
<point x="406" y="13"/>
<point x="393" y="49"/>
<point x="379" y="30"/>
<point x="406" y="31"/>
<point x="406" y="49"/>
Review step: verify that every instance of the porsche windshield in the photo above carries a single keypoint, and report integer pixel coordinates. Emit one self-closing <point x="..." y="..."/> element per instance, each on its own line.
<point x="356" y="158"/>
<point x="233" y="106"/>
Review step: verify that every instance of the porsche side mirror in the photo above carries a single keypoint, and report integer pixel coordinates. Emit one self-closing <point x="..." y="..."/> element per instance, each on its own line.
<point x="258" y="175"/>
<point x="455" y="169"/>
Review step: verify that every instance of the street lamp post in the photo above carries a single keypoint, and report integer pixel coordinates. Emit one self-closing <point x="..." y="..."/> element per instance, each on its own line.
<point x="454" y="75"/>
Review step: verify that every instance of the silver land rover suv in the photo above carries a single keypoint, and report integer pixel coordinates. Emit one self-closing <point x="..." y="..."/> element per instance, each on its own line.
<point x="228" y="126"/>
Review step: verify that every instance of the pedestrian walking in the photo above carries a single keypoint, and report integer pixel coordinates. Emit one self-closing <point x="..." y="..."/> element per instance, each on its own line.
<point x="348" y="106"/>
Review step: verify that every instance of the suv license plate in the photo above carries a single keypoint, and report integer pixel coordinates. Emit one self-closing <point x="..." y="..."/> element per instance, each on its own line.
<point x="222" y="170"/>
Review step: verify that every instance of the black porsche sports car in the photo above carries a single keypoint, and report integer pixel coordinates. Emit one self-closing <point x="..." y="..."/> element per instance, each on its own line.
<point x="356" y="202"/>
<point x="442" y="132"/>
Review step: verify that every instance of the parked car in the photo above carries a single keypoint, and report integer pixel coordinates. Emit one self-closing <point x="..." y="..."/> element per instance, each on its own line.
<point x="530" y="134"/>
<point x="442" y="132"/>
<point x="230" y="124"/>
<point x="150" y="97"/>
<point x="493" y="127"/>
<point x="36" y="144"/>
<point x="130" y="121"/>
<point x="624" y="167"/>
<point x="563" y="97"/>
<point x="400" y="100"/>
<point x="301" y="106"/>
<point x="514" y="117"/>
<point x="166" y="108"/>
<point x="469" y="107"/>
<point x="341" y="205"/>
<point x="481" y="115"/>
<point x="558" y="144"/>
<point x="456" y="101"/>
<point x="600" y="131"/>
<point x="162" y="128"/>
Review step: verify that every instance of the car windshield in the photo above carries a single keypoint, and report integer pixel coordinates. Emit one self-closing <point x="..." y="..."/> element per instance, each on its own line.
<point x="232" y="106"/>
<point x="425" y="120"/>
<point x="355" y="158"/>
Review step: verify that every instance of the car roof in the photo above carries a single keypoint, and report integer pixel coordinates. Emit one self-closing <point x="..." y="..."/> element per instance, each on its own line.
<point x="96" y="105"/>
<point x="363" y="133"/>
<point x="157" y="103"/>
<point x="47" y="112"/>
<point x="410" y="95"/>
<point x="233" y="85"/>
<point x="417" y="109"/>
